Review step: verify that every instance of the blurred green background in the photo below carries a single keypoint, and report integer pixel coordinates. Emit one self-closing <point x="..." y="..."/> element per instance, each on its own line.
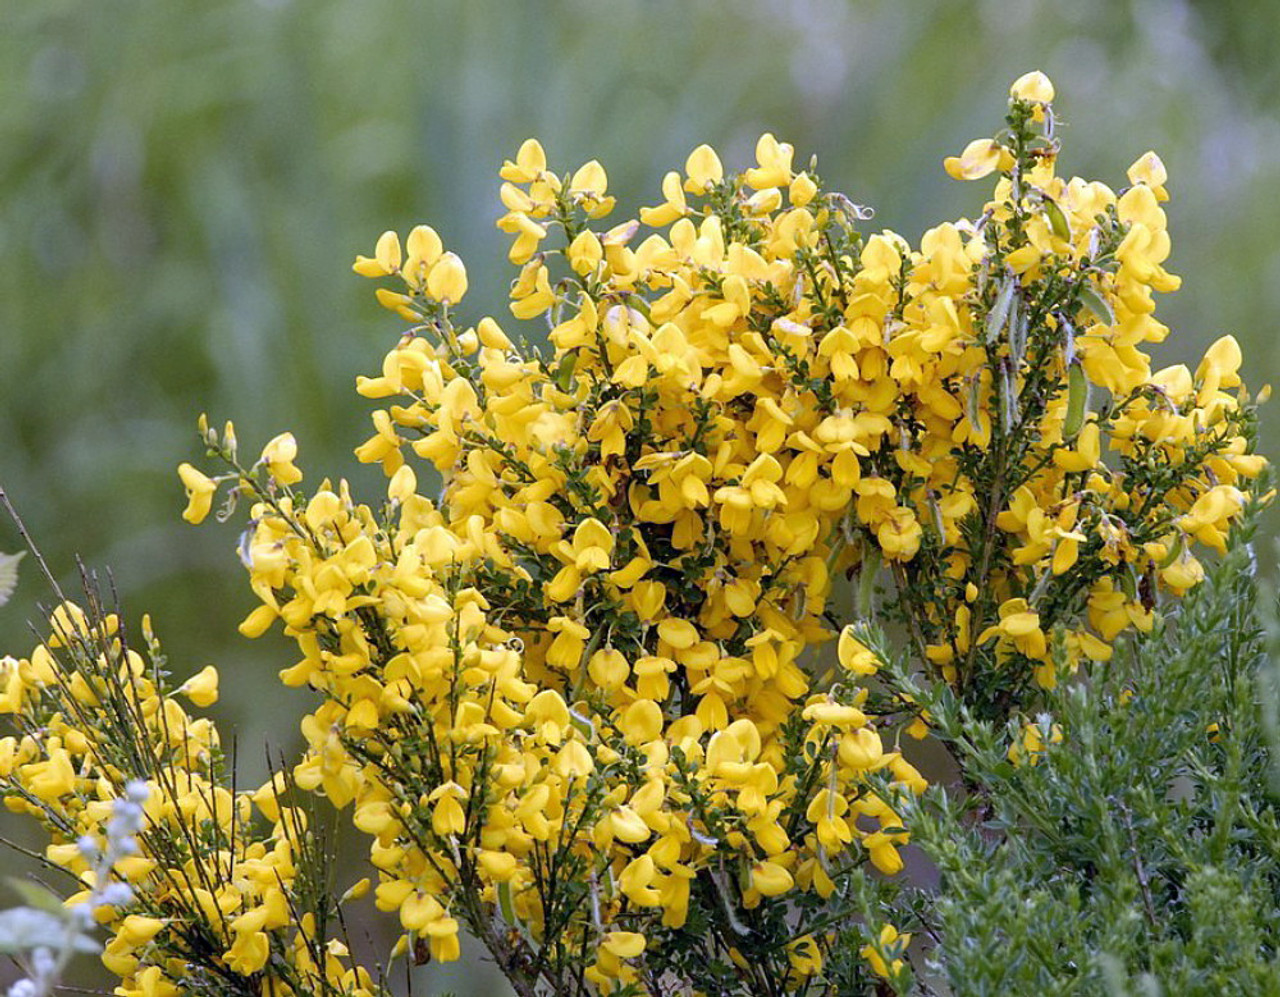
<point x="183" y="185"/>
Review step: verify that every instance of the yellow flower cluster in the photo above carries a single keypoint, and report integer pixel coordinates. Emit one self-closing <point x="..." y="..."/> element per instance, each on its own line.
<point x="577" y="702"/>
<point x="561" y="791"/>
<point x="586" y="661"/>
<point x="221" y="881"/>
<point x="761" y="393"/>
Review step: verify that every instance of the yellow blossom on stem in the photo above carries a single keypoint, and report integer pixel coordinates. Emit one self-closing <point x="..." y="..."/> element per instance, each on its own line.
<point x="200" y="491"/>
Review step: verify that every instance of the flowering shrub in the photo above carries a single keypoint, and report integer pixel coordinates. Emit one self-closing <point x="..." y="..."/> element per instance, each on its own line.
<point x="210" y="895"/>
<point x="577" y="704"/>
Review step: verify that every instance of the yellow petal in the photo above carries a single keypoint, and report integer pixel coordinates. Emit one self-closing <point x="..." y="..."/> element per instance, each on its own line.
<point x="980" y="157"/>
<point x="424" y="244"/>
<point x="387" y="252"/>
<point x="703" y="168"/>
<point x="771" y="879"/>
<point x="447" y="281"/>
<point x="1033" y="86"/>
<point x="624" y="944"/>
<point x="202" y="688"/>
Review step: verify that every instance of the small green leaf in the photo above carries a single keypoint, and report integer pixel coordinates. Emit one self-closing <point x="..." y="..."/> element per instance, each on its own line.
<point x="505" y="904"/>
<point x="1175" y="552"/>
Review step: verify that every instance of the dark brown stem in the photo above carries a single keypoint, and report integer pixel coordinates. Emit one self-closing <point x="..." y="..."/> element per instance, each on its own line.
<point x="1148" y="902"/>
<point x="913" y="622"/>
<point x="994" y="504"/>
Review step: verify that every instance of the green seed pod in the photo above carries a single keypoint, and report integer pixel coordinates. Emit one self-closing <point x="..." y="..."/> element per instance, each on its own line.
<point x="973" y="407"/>
<point x="999" y="314"/>
<point x="1018" y="322"/>
<point x="1057" y="220"/>
<point x="939" y="524"/>
<point x="564" y="373"/>
<point x="1077" y="400"/>
<point x="1009" y="395"/>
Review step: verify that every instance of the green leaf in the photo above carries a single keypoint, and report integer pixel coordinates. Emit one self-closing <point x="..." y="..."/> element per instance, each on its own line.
<point x="505" y="904"/>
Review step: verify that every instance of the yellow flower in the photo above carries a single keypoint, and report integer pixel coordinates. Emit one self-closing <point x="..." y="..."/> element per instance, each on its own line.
<point x="571" y="639"/>
<point x="862" y="750"/>
<point x="624" y="944"/>
<point x="385" y="260"/>
<point x="202" y="688"/>
<point x="771" y="879"/>
<point x="279" y="455"/>
<point x="1033" y="744"/>
<point x="585" y="252"/>
<point x="1021" y="625"/>
<point x="592" y="546"/>
<point x="530" y="162"/>
<point x="588" y="186"/>
<point x="1033" y="86"/>
<point x="637" y="882"/>
<point x="1219" y="368"/>
<point x="854" y="655"/>
<point x="899" y="534"/>
<point x="447" y="279"/>
<point x="1149" y="169"/>
<point x="595" y="637"/>
<point x="200" y="490"/>
<point x="802" y="190"/>
<point x="774" y="159"/>
<point x="884" y="955"/>
<point x="703" y="169"/>
<point x="980" y="158"/>
<point x="674" y="207"/>
<point x="252" y="947"/>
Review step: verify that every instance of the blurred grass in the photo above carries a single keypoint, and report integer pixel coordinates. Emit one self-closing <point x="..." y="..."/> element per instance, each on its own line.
<point x="183" y="185"/>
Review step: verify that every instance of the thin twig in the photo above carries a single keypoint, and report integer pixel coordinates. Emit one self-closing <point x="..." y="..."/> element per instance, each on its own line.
<point x="1147" y="901"/>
